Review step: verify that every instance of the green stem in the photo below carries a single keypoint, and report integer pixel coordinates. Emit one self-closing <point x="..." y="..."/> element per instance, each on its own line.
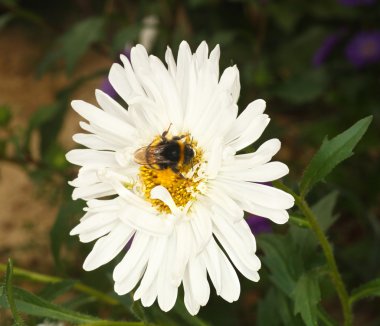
<point x="328" y="252"/>
<point x="41" y="278"/>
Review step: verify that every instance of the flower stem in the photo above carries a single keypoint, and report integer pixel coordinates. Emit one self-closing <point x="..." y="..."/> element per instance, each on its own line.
<point x="41" y="278"/>
<point x="328" y="252"/>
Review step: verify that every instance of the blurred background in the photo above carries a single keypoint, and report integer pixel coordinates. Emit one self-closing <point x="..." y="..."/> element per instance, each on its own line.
<point x="316" y="63"/>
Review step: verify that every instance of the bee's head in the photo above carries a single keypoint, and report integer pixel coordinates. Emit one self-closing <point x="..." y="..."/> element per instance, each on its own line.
<point x="189" y="154"/>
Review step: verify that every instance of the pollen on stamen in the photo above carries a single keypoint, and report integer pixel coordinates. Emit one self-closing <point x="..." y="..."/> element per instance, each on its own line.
<point x="183" y="189"/>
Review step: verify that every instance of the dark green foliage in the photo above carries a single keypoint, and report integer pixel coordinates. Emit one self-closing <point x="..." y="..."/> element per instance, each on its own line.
<point x="273" y="44"/>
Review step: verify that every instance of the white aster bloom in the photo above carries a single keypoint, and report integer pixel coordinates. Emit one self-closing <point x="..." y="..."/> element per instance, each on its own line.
<point x="178" y="220"/>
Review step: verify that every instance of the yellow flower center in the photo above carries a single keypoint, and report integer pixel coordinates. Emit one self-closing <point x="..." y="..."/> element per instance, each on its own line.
<point x="183" y="185"/>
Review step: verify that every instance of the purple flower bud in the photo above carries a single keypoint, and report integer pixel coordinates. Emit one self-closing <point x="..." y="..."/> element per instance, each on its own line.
<point x="259" y="224"/>
<point x="326" y="48"/>
<point x="364" y="49"/>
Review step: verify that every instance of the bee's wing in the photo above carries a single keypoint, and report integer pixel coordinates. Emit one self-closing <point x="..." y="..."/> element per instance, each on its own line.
<point x="141" y="156"/>
<point x="150" y="155"/>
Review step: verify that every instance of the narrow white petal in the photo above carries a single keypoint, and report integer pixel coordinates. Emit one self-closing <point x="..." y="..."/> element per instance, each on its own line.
<point x="252" y="133"/>
<point x="259" y="194"/>
<point x="94" y="222"/>
<point x="96" y="234"/>
<point x="264" y="173"/>
<point x="200" y="288"/>
<point x="133" y="82"/>
<point x="211" y="260"/>
<point x="90" y="157"/>
<point x="167" y="290"/>
<point x="104" y="120"/>
<point x="190" y="303"/>
<point x="109" y="105"/>
<point x="171" y="62"/>
<point x="184" y="250"/>
<point x="120" y="83"/>
<point x="243" y="257"/>
<point x="106" y="248"/>
<point x="94" y="142"/>
<point x="230" y="290"/>
<point x="156" y="256"/>
<point x="241" y="124"/>
<point x="93" y="191"/>
<point x="143" y="221"/>
<point x="202" y="228"/>
<point x="140" y="245"/>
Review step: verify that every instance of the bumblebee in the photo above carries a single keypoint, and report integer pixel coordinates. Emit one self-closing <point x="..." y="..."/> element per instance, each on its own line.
<point x="166" y="153"/>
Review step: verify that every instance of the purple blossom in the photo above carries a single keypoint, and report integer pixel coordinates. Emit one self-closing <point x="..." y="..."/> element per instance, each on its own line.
<point x="259" y="224"/>
<point x="326" y="48"/>
<point x="364" y="49"/>
<point x="354" y="3"/>
<point x="106" y="86"/>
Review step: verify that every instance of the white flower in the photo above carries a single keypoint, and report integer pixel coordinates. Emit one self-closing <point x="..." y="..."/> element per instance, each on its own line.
<point x="175" y="218"/>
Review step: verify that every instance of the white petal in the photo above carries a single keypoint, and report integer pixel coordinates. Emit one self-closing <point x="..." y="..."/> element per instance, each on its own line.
<point x="170" y="61"/>
<point x="94" y="222"/>
<point x="211" y="260"/>
<point x="190" y="303"/>
<point x="279" y="216"/>
<point x="202" y="227"/>
<point x="94" y="142"/>
<point x="106" y="248"/>
<point x="200" y="288"/>
<point x="183" y="252"/>
<point x="130" y="270"/>
<point x="261" y="156"/>
<point x="93" y="235"/>
<point x="145" y="222"/>
<point x="156" y="256"/>
<point x="139" y="247"/>
<point x="243" y="257"/>
<point x="104" y="120"/>
<point x="225" y="202"/>
<point x="241" y="124"/>
<point x="253" y="132"/>
<point x="133" y="82"/>
<point x="259" y="194"/>
<point x="264" y="173"/>
<point x="109" y="105"/>
<point x="90" y="157"/>
<point x="167" y="290"/>
<point x="230" y="282"/>
<point x="93" y="191"/>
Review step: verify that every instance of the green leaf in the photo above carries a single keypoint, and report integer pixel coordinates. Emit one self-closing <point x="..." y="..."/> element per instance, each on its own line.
<point x="125" y="36"/>
<point x="306" y="298"/>
<point x="8" y="290"/>
<point x="370" y="289"/>
<point x="5" y="115"/>
<point x="278" y="258"/>
<point x="323" y="209"/>
<point x="265" y="315"/>
<point x="55" y="290"/>
<point x="331" y="153"/>
<point x="303" y="88"/>
<point x="36" y="306"/>
<point x="60" y="229"/>
<point x="5" y="19"/>
<point x="74" y="43"/>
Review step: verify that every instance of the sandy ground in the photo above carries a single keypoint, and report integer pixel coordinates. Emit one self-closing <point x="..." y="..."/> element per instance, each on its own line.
<point x="26" y="215"/>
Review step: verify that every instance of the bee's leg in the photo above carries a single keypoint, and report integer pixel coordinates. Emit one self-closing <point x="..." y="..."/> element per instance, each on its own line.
<point x="179" y="137"/>
<point x="176" y="171"/>
<point x="163" y="136"/>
